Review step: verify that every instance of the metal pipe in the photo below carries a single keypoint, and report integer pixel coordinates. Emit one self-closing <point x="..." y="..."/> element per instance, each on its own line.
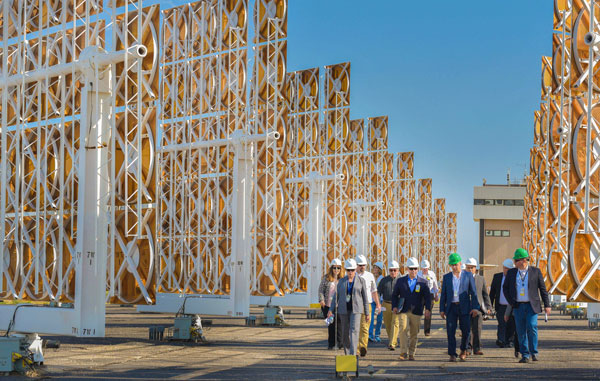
<point x="94" y="57"/>
<point x="220" y="142"/>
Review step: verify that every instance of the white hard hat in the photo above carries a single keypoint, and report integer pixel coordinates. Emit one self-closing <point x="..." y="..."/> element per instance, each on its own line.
<point x="393" y="265"/>
<point x="508" y="263"/>
<point x="412" y="262"/>
<point x="350" y="264"/>
<point x="379" y="264"/>
<point x="425" y="264"/>
<point x="361" y="260"/>
<point x="471" y="262"/>
<point x="336" y="262"/>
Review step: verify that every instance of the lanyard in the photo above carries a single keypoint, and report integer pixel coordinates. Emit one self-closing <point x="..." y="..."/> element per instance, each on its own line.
<point x="522" y="278"/>
<point x="350" y="288"/>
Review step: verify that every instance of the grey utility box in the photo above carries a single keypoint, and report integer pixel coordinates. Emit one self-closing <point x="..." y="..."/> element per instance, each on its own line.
<point x="182" y="327"/>
<point x="8" y="346"/>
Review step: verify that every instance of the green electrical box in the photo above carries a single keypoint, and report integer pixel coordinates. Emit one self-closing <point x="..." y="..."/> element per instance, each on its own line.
<point x="8" y="346"/>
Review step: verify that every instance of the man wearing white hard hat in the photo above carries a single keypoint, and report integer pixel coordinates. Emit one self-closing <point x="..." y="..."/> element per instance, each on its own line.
<point x="411" y="296"/>
<point x="376" y="321"/>
<point x="385" y="288"/>
<point x="506" y="334"/>
<point x="349" y="303"/>
<point x="431" y="279"/>
<point x="485" y="306"/>
<point x="361" y="271"/>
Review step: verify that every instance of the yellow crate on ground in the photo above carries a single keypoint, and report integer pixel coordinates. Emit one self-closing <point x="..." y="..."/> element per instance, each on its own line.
<point x="346" y="364"/>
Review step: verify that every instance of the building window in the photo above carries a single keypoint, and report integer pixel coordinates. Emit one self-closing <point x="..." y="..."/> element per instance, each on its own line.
<point x="497" y="202"/>
<point x="497" y="233"/>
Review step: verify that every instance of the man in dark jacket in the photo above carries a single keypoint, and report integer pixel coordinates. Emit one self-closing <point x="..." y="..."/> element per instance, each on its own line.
<point x="485" y="306"/>
<point x="457" y="301"/>
<point x="522" y="287"/>
<point x="411" y="294"/>
<point x="506" y="333"/>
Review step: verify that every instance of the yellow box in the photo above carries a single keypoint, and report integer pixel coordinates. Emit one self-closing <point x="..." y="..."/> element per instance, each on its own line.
<point x="346" y="363"/>
<point x="314" y="305"/>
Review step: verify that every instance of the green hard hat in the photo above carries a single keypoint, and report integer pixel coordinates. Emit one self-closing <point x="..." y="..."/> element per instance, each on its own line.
<point x="454" y="259"/>
<point x="520" y="254"/>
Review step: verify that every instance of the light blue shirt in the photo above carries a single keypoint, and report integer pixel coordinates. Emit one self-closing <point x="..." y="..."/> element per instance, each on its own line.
<point x="503" y="300"/>
<point x="412" y="283"/>
<point x="456" y="287"/>
<point x="522" y="285"/>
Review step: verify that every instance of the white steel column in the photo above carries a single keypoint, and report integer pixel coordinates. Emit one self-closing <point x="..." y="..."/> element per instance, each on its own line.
<point x="316" y="214"/>
<point x="240" y="237"/>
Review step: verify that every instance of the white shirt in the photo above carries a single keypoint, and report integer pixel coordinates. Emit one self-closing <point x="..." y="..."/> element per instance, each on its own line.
<point x="456" y="286"/>
<point x="371" y="285"/>
<point x="431" y="282"/>
<point x="503" y="300"/>
<point x="522" y="285"/>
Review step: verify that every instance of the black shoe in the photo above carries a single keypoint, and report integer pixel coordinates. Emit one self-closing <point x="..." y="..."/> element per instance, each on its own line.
<point x="330" y="347"/>
<point x="499" y="344"/>
<point x="524" y="360"/>
<point x="534" y="358"/>
<point x="517" y="354"/>
<point x="391" y="348"/>
<point x="509" y="345"/>
<point x="340" y="346"/>
<point x="363" y="351"/>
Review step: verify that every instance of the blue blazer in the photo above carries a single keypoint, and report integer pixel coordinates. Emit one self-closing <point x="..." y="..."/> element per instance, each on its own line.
<point x="467" y="295"/>
<point x="413" y="301"/>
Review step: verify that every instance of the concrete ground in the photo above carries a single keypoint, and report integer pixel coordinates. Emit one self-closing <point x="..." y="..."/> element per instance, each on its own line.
<point x="568" y="350"/>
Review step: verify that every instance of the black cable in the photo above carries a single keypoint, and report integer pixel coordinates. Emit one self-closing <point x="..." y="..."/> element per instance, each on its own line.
<point x="11" y="323"/>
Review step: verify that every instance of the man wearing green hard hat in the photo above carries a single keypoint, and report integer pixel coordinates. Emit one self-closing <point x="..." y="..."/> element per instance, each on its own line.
<point x="522" y="288"/>
<point x="458" y="302"/>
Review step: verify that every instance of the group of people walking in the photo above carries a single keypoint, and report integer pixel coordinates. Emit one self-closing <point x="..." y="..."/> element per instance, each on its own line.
<point x="359" y="302"/>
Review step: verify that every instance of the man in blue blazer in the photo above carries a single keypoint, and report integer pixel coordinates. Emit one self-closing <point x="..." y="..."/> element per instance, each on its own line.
<point x="457" y="300"/>
<point x="411" y="295"/>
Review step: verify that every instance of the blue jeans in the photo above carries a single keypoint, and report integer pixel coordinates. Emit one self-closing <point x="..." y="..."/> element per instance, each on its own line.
<point x="452" y="318"/>
<point x="375" y="325"/>
<point x="526" y="321"/>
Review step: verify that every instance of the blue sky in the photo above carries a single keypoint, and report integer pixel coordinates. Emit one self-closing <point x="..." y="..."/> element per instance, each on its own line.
<point x="459" y="81"/>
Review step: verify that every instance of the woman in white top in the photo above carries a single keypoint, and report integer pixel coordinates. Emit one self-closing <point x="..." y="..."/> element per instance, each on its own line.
<point x="326" y="291"/>
<point x="375" y="327"/>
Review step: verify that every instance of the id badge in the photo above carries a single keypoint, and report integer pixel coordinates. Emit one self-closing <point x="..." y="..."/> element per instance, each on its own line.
<point x="522" y="292"/>
<point x="348" y="298"/>
<point x="418" y="288"/>
<point x="455" y="293"/>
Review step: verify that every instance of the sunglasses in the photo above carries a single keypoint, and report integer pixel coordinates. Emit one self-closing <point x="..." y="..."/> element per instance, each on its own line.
<point x="337" y="268"/>
<point x="393" y="270"/>
<point x="412" y="268"/>
<point x="350" y="269"/>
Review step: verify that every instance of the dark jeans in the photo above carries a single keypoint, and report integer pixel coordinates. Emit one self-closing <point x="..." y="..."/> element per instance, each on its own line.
<point x="331" y="329"/>
<point x="453" y="317"/>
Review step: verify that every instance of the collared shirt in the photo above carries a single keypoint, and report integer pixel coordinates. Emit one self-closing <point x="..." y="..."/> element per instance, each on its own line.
<point x="503" y="300"/>
<point x="385" y="288"/>
<point x="412" y="283"/>
<point x="431" y="282"/>
<point x="456" y="286"/>
<point x="371" y="285"/>
<point x="522" y="285"/>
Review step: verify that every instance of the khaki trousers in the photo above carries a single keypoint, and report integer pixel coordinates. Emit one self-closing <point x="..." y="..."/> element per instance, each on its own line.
<point x="363" y="338"/>
<point x="409" y="323"/>
<point x="392" y="324"/>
